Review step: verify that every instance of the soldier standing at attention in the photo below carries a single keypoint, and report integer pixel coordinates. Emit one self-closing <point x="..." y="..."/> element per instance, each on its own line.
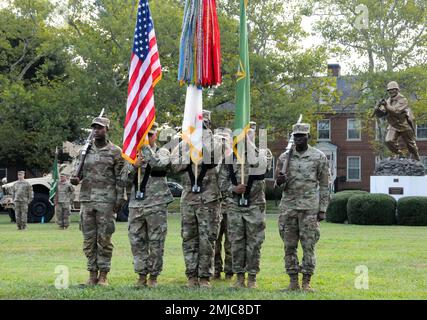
<point x="304" y="201"/>
<point x="200" y="211"/>
<point x="63" y="205"/>
<point x="226" y="264"/>
<point x="22" y="195"/>
<point x="101" y="196"/>
<point x="246" y="205"/>
<point x="148" y="209"/>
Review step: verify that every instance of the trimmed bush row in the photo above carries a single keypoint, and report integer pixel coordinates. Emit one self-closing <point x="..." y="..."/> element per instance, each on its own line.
<point x="360" y="207"/>
<point x="337" y="209"/>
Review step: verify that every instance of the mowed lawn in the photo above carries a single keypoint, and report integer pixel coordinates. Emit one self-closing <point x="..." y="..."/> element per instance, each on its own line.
<point x="395" y="258"/>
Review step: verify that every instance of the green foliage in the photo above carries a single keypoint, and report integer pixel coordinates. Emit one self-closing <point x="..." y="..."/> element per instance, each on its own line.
<point x="337" y="208"/>
<point x="372" y="209"/>
<point x="412" y="211"/>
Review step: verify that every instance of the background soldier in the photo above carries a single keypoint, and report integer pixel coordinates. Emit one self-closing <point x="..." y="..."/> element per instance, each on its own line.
<point x="63" y="205"/>
<point x="400" y="122"/>
<point x="101" y="197"/>
<point x="301" y="208"/>
<point x="226" y="264"/>
<point x="148" y="212"/>
<point x="22" y="195"/>
<point x="200" y="210"/>
<point x="246" y="221"/>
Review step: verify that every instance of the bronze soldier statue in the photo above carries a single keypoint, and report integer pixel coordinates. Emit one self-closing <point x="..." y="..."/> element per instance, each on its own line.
<point x="400" y="121"/>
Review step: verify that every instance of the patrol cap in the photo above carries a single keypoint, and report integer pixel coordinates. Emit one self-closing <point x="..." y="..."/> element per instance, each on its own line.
<point x="392" y="85"/>
<point x="252" y="125"/>
<point x="64" y="174"/>
<point x="21" y="172"/>
<point x="206" y="115"/>
<point x="301" y="128"/>
<point x="154" y="128"/>
<point x="101" y="121"/>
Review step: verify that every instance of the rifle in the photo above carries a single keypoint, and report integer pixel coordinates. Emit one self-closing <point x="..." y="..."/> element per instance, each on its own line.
<point x="85" y="150"/>
<point x="288" y="151"/>
<point x="377" y="111"/>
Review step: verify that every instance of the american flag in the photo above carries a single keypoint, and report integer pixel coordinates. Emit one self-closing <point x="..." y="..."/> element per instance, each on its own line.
<point x="145" y="72"/>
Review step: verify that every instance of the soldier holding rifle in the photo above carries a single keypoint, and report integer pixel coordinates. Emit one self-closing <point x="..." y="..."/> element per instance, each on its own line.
<point x="101" y="197"/>
<point x="302" y="173"/>
<point x="400" y="121"/>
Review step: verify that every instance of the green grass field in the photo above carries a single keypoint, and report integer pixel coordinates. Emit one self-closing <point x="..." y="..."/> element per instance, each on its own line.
<point x="395" y="257"/>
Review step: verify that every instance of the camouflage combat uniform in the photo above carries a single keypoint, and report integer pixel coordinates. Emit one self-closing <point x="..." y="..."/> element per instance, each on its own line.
<point x="63" y="205"/>
<point x="200" y="218"/>
<point x="148" y="217"/>
<point x="305" y="193"/>
<point x="22" y="195"/>
<point x="246" y="224"/>
<point x="398" y="115"/>
<point x="100" y="192"/>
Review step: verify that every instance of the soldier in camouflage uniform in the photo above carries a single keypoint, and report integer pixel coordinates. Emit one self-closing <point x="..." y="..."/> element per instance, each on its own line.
<point x="246" y="220"/>
<point x="148" y="209"/>
<point x="303" y="205"/>
<point x="200" y="211"/>
<point x="101" y="196"/>
<point x="226" y="264"/>
<point x="22" y="195"/>
<point x="65" y="196"/>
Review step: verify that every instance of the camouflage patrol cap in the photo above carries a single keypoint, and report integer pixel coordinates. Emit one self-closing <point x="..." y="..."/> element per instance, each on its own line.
<point x="154" y="128"/>
<point x="64" y="174"/>
<point x="21" y="172"/>
<point x="301" y="128"/>
<point x="206" y="115"/>
<point x="101" y="121"/>
<point x="393" y="85"/>
<point x="252" y="125"/>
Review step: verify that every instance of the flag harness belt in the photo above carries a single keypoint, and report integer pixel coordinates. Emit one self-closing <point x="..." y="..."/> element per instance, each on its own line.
<point x="148" y="172"/>
<point x="197" y="188"/>
<point x="251" y="179"/>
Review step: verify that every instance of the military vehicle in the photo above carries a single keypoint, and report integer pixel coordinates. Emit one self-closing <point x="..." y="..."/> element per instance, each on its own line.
<point x="40" y="209"/>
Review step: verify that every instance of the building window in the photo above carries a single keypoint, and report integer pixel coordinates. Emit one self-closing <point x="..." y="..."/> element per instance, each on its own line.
<point x="422" y="132"/>
<point x="270" y="174"/>
<point x="353" y="129"/>
<point x="353" y="169"/>
<point x="424" y="161"/>
<point x="324" y="129"/>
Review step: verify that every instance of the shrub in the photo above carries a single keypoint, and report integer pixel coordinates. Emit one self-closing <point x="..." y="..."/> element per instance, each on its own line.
<point x="412" y="211"/>
<point x="337" y="209"/>
<point x="372" y="209"/>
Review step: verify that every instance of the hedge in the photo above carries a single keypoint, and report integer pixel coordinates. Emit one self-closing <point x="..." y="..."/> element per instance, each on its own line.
<point x="412" y="211"/>
<point x="372" y="209"/>
<point x="337" y="209"/>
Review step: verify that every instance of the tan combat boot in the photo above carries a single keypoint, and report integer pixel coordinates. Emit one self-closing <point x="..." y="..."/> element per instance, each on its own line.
<point x="93" y="278"/>
<point x="142" y="280"/>
<point x="152" y="282"/>
<point x="293" y="285"/>
<point x="306" y="283"/>
<point x="240" y="281"/>
<point x="204" y="283"/>
<point x="102" y="280"/>
<point x="252" y="281"/>
<point x="192" y="282"/>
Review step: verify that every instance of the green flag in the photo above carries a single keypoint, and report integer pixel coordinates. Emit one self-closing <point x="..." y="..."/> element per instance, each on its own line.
<point x="55" y="177"/>
<point x="243" y="99"/>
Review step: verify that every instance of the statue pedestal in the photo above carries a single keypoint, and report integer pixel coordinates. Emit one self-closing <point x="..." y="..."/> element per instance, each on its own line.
<point x="399" y="178"/>
<point x="399" y="186"/>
